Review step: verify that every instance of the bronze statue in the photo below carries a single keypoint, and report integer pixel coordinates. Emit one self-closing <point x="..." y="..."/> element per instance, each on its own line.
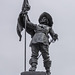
<point x="40" y="37"/>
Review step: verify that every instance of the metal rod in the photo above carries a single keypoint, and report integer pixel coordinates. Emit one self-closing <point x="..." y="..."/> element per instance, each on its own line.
<point x="25" y="46"/>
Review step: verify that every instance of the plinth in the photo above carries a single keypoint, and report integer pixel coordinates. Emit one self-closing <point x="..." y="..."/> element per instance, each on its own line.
<point x="33" y="73"/>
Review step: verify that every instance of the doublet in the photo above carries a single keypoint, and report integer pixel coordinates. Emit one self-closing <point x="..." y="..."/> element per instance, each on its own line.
<point x="41" y="34"/>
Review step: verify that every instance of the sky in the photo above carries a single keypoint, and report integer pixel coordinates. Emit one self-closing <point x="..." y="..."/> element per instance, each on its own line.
<point x="62" y="52"/>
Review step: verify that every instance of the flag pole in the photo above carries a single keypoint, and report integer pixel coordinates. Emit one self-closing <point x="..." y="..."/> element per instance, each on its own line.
<point x="26" y="7"/>
<point x="25" y="46"/>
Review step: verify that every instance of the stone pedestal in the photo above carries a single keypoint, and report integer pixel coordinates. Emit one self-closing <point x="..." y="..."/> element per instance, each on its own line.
<point x="33" y="73"/>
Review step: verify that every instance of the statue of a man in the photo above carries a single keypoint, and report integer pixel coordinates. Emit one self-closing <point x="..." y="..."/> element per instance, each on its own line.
<point x="40" y="38"/>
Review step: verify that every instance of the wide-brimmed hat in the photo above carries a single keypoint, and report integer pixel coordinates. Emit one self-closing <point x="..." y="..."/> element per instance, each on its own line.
<point x="48" y="16"/>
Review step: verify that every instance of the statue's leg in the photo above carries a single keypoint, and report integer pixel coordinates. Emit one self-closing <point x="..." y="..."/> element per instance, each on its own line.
<point x="45" y="54"/>
<point x="33" y="60"/>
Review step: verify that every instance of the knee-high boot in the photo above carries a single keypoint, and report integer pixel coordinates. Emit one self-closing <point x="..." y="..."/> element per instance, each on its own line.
<point x="47" y="65"/>
<point x="33" y="63"/>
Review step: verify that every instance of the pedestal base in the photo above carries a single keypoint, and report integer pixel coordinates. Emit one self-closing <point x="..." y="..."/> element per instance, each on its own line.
<point x="33" y="73"/>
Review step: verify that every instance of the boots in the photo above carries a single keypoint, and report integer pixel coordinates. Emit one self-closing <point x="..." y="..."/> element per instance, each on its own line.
<point x="48" y="72"/>
<point x="33" y="67"/>
<point x="33" y="63"/>
<point x="47" y="65"/>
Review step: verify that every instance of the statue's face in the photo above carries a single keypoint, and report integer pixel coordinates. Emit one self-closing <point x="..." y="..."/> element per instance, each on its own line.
<point x="44" y="20"/>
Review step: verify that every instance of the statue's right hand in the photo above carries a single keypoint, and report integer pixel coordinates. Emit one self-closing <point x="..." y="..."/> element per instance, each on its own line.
<point x="23" y="13"/>
<point x="27" y="7"/>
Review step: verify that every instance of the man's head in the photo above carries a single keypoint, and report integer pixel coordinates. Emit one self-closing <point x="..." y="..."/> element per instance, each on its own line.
<point x="46" y="19"/>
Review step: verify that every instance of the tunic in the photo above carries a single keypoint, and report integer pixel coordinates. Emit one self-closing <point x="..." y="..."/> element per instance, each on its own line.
<point x="41" y="33"/>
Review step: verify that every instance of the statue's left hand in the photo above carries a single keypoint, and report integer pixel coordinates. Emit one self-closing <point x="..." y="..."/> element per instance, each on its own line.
<point x="55" y="37"/>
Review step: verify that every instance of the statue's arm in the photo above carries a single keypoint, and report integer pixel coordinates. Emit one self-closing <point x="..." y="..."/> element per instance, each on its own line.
<point x="31" y="25"/>
<point x="53" y="34"/>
